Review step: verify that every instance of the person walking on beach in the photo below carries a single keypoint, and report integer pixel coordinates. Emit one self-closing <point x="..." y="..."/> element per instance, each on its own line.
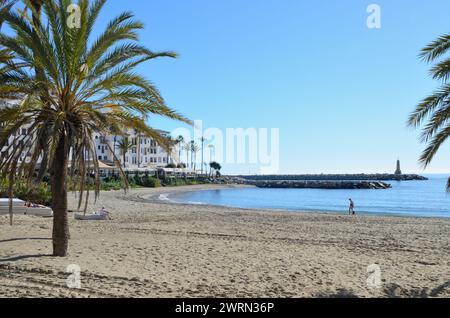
<point x="351" y="208"/>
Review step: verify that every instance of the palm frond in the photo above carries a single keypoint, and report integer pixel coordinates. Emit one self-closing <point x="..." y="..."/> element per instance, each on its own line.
<point x="436" y="48"/>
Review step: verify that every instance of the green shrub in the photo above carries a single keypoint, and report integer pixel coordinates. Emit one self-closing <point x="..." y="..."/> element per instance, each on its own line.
<point x="151" y="182"/>
<point x="39" y="193"/>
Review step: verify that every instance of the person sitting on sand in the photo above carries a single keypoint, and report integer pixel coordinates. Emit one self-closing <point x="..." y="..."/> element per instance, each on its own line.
<point x="104" y="213"/>
<point x="351" y="208"/>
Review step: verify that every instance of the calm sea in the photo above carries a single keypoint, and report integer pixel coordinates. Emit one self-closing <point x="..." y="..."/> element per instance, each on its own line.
<point x="412" y="198"/>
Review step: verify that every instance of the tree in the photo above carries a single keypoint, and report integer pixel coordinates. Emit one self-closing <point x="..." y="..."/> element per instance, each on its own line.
<point x="187" y="147"/>
<point x="194" y="150"/>
<point x="179" y="142"/>
<point x="5" y="5"/>
<point x="87" y="86"/>
<point x="124" y="145"/>
<point x="435" y="109"/>
<point x="216" y="166"/>
<point x="170" y="144"/>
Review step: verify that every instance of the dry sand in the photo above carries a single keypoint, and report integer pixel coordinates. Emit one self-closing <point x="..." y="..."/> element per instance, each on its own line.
<point x="155" y="249"/>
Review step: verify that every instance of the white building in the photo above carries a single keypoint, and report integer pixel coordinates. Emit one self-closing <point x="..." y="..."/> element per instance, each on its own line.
<point x="20" y="136"/>
<point x="144" y="154"/>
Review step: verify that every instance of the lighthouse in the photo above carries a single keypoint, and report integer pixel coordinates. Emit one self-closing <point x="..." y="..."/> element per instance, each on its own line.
<point x="398" y="171"/>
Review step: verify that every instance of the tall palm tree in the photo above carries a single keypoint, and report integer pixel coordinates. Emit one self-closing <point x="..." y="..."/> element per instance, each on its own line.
<point x="187" y="147"/>
<point x="89" y="86"/>
<point x="435" y="109"/>
<point x="124" y="145"/>
<point x="202" y="141"/>
<point x="170" y="144"/>
<point x="194" y="150"/>
<point x="179" y="141"/>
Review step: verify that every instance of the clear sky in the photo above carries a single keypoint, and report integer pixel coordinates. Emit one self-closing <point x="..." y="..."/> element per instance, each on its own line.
<point x="339" y="92"/>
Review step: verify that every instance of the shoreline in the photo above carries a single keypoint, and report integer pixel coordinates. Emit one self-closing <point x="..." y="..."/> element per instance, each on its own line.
<point x="155" y="198"/>
<point x="155" y="249"/>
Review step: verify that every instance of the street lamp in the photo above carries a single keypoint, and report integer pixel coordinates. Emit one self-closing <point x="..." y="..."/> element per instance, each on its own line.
<point x="211" y="148"/>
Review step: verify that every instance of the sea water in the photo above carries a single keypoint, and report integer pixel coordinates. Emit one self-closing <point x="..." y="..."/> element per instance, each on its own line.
<point x="407" y="198"/>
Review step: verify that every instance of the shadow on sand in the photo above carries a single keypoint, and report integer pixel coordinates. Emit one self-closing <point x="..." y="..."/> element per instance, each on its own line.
<point x="26" y="239"/>
<point x="22" y="257"/>
<point x="394" y="291"/>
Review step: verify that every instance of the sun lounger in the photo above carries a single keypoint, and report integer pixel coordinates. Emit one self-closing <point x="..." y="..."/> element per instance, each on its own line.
<point x="91" y="217"/>
<point x="20" y="208"/>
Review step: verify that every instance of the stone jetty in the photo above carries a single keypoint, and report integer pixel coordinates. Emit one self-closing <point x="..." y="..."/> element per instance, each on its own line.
<point x="293" y="184"/>
<point x="325" y="181"/>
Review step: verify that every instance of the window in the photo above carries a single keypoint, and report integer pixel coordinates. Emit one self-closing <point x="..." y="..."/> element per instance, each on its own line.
<point x="99" y="157"/>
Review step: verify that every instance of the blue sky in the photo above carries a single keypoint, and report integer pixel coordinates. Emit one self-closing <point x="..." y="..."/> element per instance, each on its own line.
<point x="340" y="93"/>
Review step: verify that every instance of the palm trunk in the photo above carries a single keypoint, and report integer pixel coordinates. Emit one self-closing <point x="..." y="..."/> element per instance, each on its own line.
<point x="43" y="167"/>
<point x="59" y="200"/>
<point x="139" y="150"/>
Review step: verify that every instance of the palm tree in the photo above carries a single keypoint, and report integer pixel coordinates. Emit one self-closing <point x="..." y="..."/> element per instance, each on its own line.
<point x="179" y="142"/>
<point x="435" y="109"/>
<point x="202" y="140"/>
<point x="170" y="144"/>
<point x="194" y="149"/>
<point x="124" y="145"/>
<point x="187" y="147"/>
<point x="216" y="166"/>
<point x="5" y="5"/>
<point x="87" y="86"/>
<point x="36" y="8"/>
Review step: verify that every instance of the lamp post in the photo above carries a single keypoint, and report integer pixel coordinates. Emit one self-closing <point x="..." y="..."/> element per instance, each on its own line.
<point x="211" y="148"/>
<point x="202" y="140"/>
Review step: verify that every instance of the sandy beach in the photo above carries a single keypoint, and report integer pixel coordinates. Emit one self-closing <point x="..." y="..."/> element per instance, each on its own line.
<point x="158" y="249"/>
